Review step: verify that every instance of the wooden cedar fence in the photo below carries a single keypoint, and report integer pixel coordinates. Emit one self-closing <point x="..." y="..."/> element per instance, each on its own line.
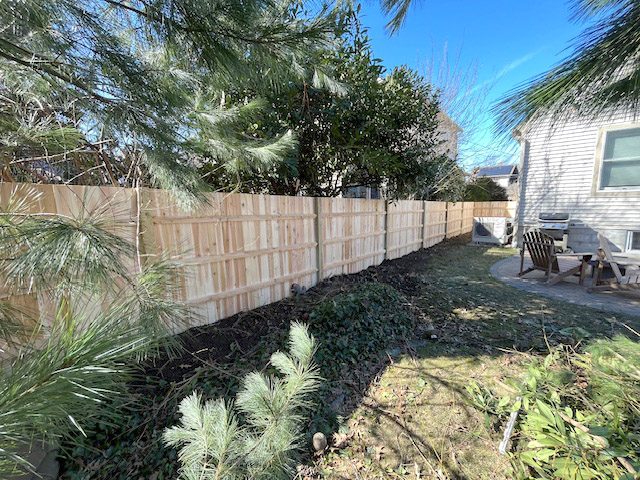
<point x="494" y="209"/>
<point x="242" y="251"/>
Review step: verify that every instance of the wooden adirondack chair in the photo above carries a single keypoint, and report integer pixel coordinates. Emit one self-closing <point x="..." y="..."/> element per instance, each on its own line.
<point x="542" y="250"/>
<point x="629" y="281"/>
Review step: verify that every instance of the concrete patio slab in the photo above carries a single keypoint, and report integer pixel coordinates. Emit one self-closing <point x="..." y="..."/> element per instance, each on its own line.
<point x="569" y="291"/>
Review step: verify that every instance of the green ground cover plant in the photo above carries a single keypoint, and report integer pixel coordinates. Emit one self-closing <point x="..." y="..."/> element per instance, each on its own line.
<point x="352" y="325"/>
<point x="357" y="325"/>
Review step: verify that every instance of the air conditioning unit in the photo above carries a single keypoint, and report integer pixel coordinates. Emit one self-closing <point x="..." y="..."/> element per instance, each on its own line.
<point x="493" y="230"/>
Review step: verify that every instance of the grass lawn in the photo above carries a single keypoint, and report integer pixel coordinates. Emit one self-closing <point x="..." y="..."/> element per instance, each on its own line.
<point x="414" y="422"/>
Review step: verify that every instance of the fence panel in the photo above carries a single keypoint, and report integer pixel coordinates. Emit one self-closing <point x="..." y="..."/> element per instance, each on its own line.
<point x="495" y="209"/>
<point x="435" y="229"/>
<point x="239" y="252"/>
<point x="404" y="227"/>
<point x="352" y="234"/>
<point x="115" y="206"/>
<point x="454" y="219"/>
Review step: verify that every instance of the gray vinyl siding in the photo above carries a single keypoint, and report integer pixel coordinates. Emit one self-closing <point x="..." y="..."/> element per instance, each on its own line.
<point x="557" y="172"/>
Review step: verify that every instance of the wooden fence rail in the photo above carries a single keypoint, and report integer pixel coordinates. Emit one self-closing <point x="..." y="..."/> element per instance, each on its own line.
<point x="243" y="251"/>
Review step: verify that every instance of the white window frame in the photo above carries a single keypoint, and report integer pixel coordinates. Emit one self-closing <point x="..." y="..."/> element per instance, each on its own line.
<point x="629" y="243"/>
<point x="596" y="189"/>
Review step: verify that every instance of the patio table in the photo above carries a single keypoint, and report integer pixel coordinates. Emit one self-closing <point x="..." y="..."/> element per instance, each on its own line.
<point x="623" y="260"/>
<point x="583" y="257"/>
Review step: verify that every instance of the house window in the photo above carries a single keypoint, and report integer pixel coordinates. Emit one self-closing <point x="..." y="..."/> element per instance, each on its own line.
<point x="620" y="169"/>
<point x="633" y="242"/>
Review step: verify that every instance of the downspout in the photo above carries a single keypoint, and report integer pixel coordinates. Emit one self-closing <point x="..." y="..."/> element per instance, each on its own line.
<point x="524" y="161"/>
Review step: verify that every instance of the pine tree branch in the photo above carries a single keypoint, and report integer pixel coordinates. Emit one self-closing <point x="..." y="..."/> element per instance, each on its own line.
<point x="44" y="67"/>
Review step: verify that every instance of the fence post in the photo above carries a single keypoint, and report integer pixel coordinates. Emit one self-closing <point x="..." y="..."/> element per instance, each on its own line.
<point x="473" y="212"/>
<point x="320" y="239"/>
<point x="465" y="211"/>
<point x="386" y="229"/>
<point x="424" y="224"/>
<point x="446" y="220"/>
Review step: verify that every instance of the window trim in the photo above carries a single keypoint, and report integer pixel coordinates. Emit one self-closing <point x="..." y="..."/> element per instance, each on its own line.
<point x="596" y="191"/>
<point x="629" y="242"/>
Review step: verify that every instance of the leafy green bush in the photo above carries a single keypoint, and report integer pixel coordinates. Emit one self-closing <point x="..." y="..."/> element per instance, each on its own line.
<point x="357" y="324"/>
<point x="580" y="413"/>
<point x="216" y="444"/>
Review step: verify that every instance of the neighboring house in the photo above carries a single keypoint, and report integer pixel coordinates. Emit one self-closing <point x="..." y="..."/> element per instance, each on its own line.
<point x="52" y="173"/>
<point x="370" y="193"/>
<point x="448" y="132"/>
<point x="504" y="175"/>
<point x="589" y="168"/>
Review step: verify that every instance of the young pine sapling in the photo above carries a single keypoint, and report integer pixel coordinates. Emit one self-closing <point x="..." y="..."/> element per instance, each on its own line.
<point x="258" y="436"/>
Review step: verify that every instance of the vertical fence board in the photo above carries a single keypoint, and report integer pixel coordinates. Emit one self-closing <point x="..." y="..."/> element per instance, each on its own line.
<point x="467" y="216"/>
<point x="454" y="219"/>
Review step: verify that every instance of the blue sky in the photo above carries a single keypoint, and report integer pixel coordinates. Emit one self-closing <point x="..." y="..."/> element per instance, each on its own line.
<point x="510" y="41"/>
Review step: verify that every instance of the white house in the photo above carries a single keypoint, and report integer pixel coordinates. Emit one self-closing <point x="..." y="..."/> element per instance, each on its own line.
<point x="504" y="175"/>
<point x="588" y="168"/>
